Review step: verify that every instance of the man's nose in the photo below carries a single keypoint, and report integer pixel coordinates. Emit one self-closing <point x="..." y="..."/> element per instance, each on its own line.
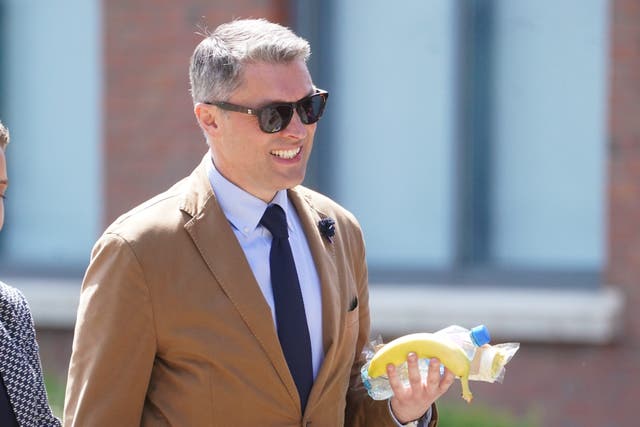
<point x="296" y="129"/>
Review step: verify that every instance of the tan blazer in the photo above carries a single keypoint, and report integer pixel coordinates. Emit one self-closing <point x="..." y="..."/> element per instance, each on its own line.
<point x="173" y="330"/>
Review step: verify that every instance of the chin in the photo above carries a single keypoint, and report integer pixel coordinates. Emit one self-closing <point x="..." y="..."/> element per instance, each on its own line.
<point x="292" y="181"/>
<point x="296" y="182"/>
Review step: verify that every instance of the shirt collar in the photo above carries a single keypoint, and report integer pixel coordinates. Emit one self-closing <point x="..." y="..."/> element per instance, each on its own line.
<point x="243" y="210"/>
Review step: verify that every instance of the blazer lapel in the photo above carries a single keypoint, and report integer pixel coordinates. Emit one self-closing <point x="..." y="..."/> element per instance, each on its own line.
<point x="324" y="256"/>
<point x="219" y="247"/>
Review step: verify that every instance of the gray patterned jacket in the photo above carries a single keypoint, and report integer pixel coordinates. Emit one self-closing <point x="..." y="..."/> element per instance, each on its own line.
<point x="20" y="361"/>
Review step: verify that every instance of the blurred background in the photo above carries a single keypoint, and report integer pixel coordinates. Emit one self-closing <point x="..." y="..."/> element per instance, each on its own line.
<point x="490" y="149"/>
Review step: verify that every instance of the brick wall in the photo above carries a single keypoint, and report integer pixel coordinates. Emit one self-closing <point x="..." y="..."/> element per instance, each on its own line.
<point x="624" y="149"/>
<point x="151" y="136"/>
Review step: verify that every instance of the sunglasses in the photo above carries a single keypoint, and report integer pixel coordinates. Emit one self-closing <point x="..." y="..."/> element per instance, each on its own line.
<point x="274" y="117"/>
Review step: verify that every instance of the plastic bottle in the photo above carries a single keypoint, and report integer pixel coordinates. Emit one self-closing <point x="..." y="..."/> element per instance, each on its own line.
<point x="469" y="340"/>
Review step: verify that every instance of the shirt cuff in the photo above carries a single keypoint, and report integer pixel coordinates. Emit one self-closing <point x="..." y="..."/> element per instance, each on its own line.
<point x="422" y="421"/>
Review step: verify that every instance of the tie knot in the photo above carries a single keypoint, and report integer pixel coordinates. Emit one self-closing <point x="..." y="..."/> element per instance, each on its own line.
<point x="275" y="220"/>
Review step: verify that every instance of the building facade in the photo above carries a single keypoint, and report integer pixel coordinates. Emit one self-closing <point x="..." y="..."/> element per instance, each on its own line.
<point x="490" y="149"/>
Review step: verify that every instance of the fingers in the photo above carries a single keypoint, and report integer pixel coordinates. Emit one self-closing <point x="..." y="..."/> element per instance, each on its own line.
<point x="411" y="401"/>
<point x="434" y="384"/>
<point x="413" y="374"/>
<point x="446" y="381"/>
<point x="394" y="379"/>
<point x="433" y="377"/>
<point x="415" y="379"/>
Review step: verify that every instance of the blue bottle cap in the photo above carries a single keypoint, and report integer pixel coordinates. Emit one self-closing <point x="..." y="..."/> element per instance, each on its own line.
<point x="480" y="335"/>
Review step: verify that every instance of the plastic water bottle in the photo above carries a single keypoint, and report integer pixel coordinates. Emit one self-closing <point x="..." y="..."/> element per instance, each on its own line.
<point x="469" y="340"/>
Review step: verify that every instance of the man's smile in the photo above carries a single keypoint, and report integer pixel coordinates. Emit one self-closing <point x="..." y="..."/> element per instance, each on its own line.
<point x="286" y="154"/>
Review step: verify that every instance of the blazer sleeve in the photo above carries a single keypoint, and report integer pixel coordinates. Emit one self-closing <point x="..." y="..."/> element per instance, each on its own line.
<point x="361" y="409"/>
<point x="114" y="342"/>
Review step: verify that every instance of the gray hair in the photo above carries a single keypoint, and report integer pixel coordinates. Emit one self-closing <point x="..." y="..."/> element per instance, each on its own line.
<point x="217" y="63"/>
<point x="4" y="137"/>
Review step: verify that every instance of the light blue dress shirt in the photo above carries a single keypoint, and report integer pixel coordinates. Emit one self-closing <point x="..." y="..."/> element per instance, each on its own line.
<point x="244" y="211"/>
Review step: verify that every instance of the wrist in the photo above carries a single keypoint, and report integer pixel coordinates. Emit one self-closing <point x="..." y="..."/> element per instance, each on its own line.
<point x="403" y="418"/>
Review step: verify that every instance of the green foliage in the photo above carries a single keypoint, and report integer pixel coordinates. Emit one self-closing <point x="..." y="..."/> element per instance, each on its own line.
<point x="475" y="415"/>
<point x="55" y="393"/>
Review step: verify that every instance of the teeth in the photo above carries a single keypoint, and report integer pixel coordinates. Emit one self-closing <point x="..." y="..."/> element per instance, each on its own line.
<point x="286" y="154"/>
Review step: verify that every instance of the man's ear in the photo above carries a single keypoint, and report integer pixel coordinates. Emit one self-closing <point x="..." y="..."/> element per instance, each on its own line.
<point x="208" y="118"/>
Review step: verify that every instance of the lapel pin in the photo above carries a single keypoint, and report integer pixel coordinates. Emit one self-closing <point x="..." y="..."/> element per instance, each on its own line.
<point x="327" y="228"/>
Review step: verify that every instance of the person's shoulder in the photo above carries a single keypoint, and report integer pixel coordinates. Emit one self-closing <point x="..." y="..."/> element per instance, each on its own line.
<point x="10" y="294"/>
<point x="159" y="221"/>
<point x="329" y="208"/>
<point x="148" y="214"/>
<point x="325" y="204"/>
<point x="346" y="228"/>
<point x="159" y="214"/>
<point x="12" y="300"/>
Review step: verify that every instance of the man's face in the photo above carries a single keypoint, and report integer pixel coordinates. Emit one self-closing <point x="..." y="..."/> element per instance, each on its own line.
<point x="258" y="162"/>
<point x="3" y="184"/>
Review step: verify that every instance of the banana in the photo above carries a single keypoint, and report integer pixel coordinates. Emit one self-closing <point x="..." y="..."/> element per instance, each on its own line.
<point x="425" y="345"/>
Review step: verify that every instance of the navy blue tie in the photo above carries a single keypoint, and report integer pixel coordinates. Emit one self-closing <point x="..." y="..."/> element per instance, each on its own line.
<point x="291" y="319"/>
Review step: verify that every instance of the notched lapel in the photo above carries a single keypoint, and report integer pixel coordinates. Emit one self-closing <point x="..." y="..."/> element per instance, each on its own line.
<point x="324" y="256"/>
<point x="211" y="233"/>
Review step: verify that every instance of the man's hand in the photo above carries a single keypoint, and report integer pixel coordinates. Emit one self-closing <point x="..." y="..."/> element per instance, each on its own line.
<point x="410" y="403"/>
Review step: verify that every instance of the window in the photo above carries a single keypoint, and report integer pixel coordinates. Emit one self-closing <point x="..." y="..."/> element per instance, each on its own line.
<point x="51" y="102"/>
<point x="467" y="137"/>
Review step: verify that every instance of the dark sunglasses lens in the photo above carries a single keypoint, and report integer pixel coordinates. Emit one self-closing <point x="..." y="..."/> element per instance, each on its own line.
<point x="310" y="109"/>
<point x="275" y="118"/>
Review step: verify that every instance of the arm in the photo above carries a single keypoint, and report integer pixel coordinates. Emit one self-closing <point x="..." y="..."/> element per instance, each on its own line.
<point x="408" y="403"/>
<point x="361" y="410"/>
<point x="114" y="343"/>
<point x="38" y="407"/>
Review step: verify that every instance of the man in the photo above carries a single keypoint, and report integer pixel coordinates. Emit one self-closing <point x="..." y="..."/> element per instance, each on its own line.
<point x="237" y="297"/>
